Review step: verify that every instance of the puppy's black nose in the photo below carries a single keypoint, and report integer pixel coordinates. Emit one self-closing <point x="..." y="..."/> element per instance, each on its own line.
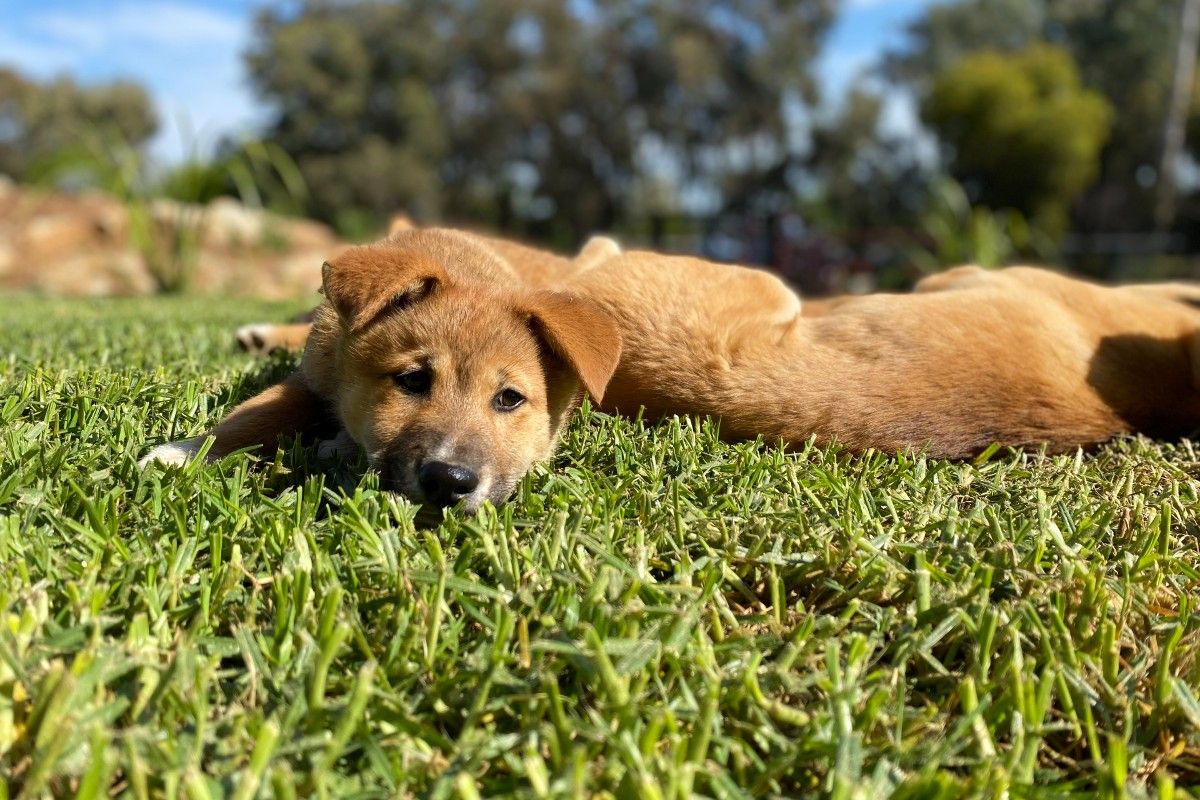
<point x="445" y="484"/>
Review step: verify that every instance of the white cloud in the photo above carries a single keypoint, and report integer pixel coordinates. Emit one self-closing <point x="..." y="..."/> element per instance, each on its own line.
<point x="160" y="23"/>
<point x="188" y="56"/>
<point x="31" y="58"/>
<point x="198" y="110"/>
<point x="861" y="5"/>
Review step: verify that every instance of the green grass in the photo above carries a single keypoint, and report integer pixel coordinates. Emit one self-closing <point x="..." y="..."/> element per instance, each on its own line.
<point x="656" y="614"/>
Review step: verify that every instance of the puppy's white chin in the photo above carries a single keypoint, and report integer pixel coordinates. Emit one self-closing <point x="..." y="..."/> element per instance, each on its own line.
<point x="173" y="454"/>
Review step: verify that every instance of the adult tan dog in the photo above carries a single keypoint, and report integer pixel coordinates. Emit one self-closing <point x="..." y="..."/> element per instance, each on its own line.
<point x="454" y="360"/>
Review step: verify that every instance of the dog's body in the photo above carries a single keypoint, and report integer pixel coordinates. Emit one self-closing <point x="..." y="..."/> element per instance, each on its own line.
<point x="1019" y="356"/>
<point x="425" y="338"/>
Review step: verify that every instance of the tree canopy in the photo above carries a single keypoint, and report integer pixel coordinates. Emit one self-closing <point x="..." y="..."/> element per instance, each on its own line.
<point x="1021" y="130"/>
<point x="557" y="116"/>
<point x="1124" y="49"/>
<point x="41" y="119"/>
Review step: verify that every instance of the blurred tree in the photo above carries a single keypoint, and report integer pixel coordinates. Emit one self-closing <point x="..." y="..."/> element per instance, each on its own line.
<point x="1021" y="131"/>
<point x="954" y="232"/>
<point x="352" y="100"/>
<point x="1124" y="49"/>
<point x="949" y="32"/>
<point x="863" y="176"/>
<point x="1192" y="136"/>
<point x="535" y="115"/>
<point x="40" y="120"/>
<point x="1179" y="109"/>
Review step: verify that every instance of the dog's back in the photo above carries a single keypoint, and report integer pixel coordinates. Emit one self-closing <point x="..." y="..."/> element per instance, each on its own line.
<point x="1018" y="356"/>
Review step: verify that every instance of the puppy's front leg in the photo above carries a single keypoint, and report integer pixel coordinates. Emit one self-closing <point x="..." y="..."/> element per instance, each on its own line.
<point x="284" y="409"/>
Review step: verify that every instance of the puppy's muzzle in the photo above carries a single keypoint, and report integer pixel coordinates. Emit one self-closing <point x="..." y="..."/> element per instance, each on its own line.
<point x="446" y="484"/>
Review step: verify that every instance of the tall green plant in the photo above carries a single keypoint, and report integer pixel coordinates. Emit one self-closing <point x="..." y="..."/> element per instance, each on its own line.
<point x="258" y="172"/>
<point x="169" y="241"/>
<point x="955" y="232"/>
<point x="102" y="157"/>
<point x="265" y="176"/>
<point x="1022" y="128"/>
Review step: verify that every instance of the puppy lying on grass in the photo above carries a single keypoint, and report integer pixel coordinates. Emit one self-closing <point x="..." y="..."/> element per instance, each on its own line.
<point x="453" y="360"/>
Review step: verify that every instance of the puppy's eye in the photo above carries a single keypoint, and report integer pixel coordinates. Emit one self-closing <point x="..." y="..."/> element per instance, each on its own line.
<point x="508" y="400"/>
<point x="415" y="381"/>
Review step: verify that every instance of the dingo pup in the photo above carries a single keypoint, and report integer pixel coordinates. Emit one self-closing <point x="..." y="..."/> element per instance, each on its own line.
<point x="454" y="360"/>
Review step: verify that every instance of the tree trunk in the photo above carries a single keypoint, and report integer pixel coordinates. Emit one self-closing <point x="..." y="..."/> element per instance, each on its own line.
<point x="1176" y="127"/>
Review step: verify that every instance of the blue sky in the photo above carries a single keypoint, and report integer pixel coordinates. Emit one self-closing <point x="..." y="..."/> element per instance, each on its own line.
<point x="188" y="54"/>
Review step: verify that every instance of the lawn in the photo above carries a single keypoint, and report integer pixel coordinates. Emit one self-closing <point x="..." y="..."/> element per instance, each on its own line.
<point x="656" y="614"/>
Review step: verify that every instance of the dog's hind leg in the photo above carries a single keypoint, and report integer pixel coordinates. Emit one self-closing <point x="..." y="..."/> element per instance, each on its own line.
<point x="1187" y="294"/>
<point x="1177" y="291"/>
<point x="1194" y="351"/>
<point x="285" y="409"/>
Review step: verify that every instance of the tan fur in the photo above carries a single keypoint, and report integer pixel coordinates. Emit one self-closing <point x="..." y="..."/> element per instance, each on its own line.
<point x="533" y="268"/>
<point x="595" y="251"/>
<point x="1018" y="356"/>
<point x="450" y="302"/>
<point x="500" y="260"/>
<point x="583" y="338"/>
<point x="972" y="357"/>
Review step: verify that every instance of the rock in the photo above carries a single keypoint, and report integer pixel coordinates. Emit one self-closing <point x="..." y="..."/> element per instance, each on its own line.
<point x="229" y="224"/>
<point x="80" y="244"/>
<point x="54" y="236"/>
<point x="304" y="234"/>
<point x="8" y="259"/>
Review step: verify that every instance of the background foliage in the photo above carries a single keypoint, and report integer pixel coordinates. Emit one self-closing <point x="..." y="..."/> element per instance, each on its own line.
<point x="1124" y="50"/>
<point x="41" y="120"/>
<point x="531" y="115"/>
<point x="697" y="125"/>
<point x="1021" y="129"/>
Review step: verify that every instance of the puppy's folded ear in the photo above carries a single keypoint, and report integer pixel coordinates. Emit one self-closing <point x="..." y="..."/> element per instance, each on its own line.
<point x="365" y="281"/>
<point x="581" y="334"/>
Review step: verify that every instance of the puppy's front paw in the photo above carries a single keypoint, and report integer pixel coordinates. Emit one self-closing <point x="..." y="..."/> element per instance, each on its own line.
<point x="258" y="340"/>
<point x="173" y="454"/>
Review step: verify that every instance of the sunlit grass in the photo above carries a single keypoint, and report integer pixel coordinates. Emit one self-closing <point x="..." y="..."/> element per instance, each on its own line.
<point x="657" y="614"/>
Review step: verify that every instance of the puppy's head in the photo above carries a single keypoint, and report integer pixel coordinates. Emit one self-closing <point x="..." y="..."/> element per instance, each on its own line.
<point x="455" y="388"/>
